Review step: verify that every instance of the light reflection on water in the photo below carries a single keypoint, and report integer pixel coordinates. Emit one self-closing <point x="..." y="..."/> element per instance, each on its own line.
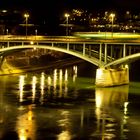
<point x="106" y="99"/>
<point x="26" y="125"/>
<point x="62" y="106"/>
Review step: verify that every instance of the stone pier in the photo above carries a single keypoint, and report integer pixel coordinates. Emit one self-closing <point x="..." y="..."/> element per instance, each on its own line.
<point x="111" y="77"/>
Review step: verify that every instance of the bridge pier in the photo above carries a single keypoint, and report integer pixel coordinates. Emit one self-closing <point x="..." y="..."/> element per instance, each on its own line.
<point x="111" y="77"/>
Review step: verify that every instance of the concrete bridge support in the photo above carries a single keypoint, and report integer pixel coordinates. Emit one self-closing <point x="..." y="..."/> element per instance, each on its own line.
<point x="111" y="77"/>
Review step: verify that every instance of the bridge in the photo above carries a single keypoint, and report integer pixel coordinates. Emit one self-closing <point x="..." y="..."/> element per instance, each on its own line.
<point x="110" y="55"/>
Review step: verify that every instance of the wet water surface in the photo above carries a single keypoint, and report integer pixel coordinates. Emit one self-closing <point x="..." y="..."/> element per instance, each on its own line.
<point x="62" y="105"/>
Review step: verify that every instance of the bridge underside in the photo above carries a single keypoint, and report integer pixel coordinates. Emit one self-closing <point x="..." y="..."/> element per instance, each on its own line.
<point x="105" y="75"/>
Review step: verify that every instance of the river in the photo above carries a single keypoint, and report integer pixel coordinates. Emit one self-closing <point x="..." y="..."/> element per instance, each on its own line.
<point x="64" y="104"/>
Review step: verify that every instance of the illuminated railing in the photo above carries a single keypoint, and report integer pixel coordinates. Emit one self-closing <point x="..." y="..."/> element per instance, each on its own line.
<point x="99" y="49"/>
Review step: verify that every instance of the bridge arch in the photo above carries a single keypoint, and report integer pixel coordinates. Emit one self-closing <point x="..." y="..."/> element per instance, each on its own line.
<point x="127" y="59"/>
<point x="92" y="60"/>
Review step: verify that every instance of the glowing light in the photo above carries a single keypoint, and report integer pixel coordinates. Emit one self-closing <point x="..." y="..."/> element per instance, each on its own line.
<point x="67" y="20"/>
<point x="75" y="73"/>
<point x="75" y="69"/>
<point x="112" y="15"/>
<point x="34" y="81"/>
<point x="49" y="84"/>
<point x="30" y="115"/>
<point x="67" y="15"/>
<point x="55" y="77"/>
<point x="64" y="122"/>
<point x="21" y="86"/>
<point x="99" y="73"/>
<point x="49" y="80"/>
<point x="22" y="137"/>
<point x="66" y="75"/>
<point x="126" y="104"/>
<point x="60" y="81"/>
<point x="31" y="42"/>
<point x="125" y="107"/>
<point x="74" y="77"/>
<point x="60" y="75"/>
<point x="66" y="82"/>
<point x="42" y="83"/>
<point x="55" y="80"/>
<point x="126" y="66"/>
<point x="26" y="15"/>
<point x="107" y="35"/>
<point x="4" y="11"/>
<point x="98" y="100"/>
<point x="64" y="135"/>
<point x="26" y="126"/>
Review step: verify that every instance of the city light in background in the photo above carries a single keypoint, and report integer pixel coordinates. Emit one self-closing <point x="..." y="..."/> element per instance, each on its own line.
<point x="112" y="15"/>
<point x="76" y="20"/>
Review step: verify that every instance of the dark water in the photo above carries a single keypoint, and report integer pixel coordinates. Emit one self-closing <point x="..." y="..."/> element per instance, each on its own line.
<point x="63" y="104"/>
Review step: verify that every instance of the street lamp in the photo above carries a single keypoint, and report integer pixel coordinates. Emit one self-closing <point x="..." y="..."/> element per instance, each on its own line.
<point x="26" y="18"/>
<point x="67" y="23"/>
<point x="112" y="16"/>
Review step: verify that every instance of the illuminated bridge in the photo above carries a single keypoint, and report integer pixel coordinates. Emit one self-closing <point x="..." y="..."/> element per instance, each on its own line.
<point x="109" y="52"/>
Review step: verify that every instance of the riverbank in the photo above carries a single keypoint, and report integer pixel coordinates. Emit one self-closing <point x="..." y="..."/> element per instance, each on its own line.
<point x="8" y="68"/>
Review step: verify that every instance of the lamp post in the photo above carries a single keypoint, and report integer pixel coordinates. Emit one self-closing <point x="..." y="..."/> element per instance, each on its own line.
<point x="26" y="18"/>
<point x="112" y="16"/>
<point x="67" y="23"/>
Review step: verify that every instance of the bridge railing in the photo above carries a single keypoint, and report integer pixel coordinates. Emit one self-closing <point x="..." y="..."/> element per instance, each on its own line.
<point x="88" y="49"/>
<point x="103" y="51"/>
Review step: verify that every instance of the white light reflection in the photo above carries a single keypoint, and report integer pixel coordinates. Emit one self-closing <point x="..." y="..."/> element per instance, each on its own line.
<point x="25" y="126"/>
<point x="106" y="99"/>
<point x="66" y="82"/>
<point x="60" y="82"/>
<point x="64" y="135"/>
<point x="125" y="119"/>
<point x="98" y="99"/>
<point x="125" y="112"/>
<point x="75" y="69"/>
<point x="55" y="80"/>
<point x="42" y="83"/>
<point x="21" y="87"/>
<point x="64" y="123"/>
<point x="125" y="107"/>
<point x="34" y="81"/>
<point x="75" y="73"/>
<point x="66" y="75"/>
<point x="49" y="84"/>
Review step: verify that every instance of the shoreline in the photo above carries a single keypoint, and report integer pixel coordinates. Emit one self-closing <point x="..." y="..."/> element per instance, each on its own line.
<point x="9" y="69"/>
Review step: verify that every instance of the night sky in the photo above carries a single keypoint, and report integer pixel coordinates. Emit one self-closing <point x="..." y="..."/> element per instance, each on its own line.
<point x="50" y="5"/>
<point x="52" y="10"/>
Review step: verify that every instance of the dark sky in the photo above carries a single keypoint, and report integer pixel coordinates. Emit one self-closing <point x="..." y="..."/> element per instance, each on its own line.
<point x="50" y="5"/>
<point x="50" y="10"/>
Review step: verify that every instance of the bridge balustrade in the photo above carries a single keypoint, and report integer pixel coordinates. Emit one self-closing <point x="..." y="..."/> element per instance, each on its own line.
<point x="87" y="49"/>
<point x="103" y="53"/>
